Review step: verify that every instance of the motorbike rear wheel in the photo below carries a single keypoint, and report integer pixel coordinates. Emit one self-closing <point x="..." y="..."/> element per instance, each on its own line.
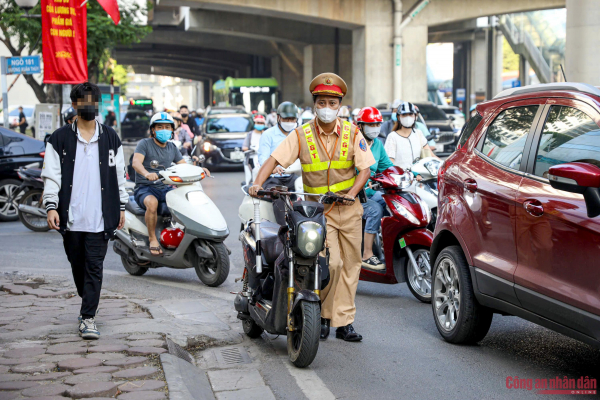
<point x="33" y="198"/>
<point x="214" y="272"/>
<point x="303" y="342"/>
<point x="133" y="268"/>
<point x="419" y="285"/>
<point x="251" y="328"/>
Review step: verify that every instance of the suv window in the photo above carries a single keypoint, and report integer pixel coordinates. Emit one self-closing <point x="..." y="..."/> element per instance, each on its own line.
<point x="469" y="128"/>
<point x="505" y="138"/>
<point x="569" y="135"/>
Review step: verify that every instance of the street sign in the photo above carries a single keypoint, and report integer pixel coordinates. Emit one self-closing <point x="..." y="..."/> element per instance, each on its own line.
<point x="516" y="83"/>
<point x="461" y="94"/>
<point x="23" y="65"/>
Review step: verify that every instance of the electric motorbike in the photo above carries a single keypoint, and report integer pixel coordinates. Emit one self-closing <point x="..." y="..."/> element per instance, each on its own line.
<point x="427" y="188"/>
<point x="29" y="194"/>
<point x="284" y="273"/>
<point x="191" y="229"/>
<point x="405" y="241"/>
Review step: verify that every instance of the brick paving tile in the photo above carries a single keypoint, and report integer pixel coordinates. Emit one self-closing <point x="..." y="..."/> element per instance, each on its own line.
<point x="18" y="304"/>
<point x="127" y="362"/>
<point x="144" y="336"/>
<point x="56" y="357"/>
<point x="48" y="377"/>
<point x="78" y="363"/>
<point x="106" y="356"/>
<point x="142" y="395"/>
<point x="51" y="389"/>
<point x="67" y="349"/>
<point x="91" y="377"/>
<point x="47" y="398"/>
<point x="24" y="353"/>
<point x="104" y="341"/>
<point x="17" y="385"/>
<point x="92" y="389"/>
<point x="137" y="386"/>
<point x="8" y="395"/>
<point x="29" y="284"/>
<point x="137" y="373"/>
<point x="11" y="377"/>
<point x="116" y="336"/>
<point x="108" y="348"/>
<point x="147" y="343"/>
<point x="34" y="367"/>
<point x="66" y="340"/>
<point x="16" y="361"/>
<point x="95" y="370"/>
<point x="145" y="351"/>
<point x="3" y="369"/>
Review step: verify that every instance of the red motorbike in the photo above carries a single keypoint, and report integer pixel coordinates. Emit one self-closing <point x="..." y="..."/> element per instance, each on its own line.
<point x="404" y="241"/>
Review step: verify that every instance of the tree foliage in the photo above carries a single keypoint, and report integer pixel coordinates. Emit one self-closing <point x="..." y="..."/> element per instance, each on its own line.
<point x="21" y="36"/>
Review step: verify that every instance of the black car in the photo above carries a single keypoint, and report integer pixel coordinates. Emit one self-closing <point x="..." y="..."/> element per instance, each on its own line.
<point x="223" y="138"/>
<point x="135" y="125"/>
<point x="436" y="118"/>
<point x="16" y="150"/>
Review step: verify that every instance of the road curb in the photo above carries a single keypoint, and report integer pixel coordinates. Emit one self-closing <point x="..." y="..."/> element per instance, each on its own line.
<point x="185" y="381"/>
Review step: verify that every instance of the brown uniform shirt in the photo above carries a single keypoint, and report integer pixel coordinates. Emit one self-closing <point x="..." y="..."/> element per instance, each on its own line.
<point x="287" y="152"/>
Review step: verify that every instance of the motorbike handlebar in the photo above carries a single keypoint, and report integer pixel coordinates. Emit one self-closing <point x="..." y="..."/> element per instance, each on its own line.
<point x="327" y="198"/>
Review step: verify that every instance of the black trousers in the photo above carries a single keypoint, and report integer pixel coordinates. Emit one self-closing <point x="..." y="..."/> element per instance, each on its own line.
<point x="86" y="252"/>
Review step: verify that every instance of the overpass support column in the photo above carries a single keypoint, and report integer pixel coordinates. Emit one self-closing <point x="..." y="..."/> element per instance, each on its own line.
<point x="523" y="71"/>
<point x="414" y="63"/>
<point x="372" y="78"/>
<point x="308" y="74"/>
<point x="582" y="56"/>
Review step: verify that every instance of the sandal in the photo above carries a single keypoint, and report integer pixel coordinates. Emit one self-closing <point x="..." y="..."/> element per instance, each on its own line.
<point x="157" y="249"/>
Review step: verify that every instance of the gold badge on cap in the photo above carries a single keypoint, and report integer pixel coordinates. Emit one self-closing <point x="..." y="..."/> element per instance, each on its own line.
<point x="328" y="81"/>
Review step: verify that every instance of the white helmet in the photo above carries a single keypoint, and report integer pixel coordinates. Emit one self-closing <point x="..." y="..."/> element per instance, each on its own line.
<point x="355" y="112"/>
<point x="162" y="118"/>
<point x="396" y="103"/>
<point x="344" y="112"/>
<point x="200" y="111"/>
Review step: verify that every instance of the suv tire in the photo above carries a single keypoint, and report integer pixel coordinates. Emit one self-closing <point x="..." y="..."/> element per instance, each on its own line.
<point x="458" y="316"/>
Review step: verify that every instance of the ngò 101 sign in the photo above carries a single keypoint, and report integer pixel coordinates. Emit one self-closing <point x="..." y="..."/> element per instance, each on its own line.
<point x="23" y="65"/>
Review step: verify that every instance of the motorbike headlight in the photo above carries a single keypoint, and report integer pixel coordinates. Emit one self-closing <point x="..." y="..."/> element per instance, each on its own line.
<point x="433" y="167"/>
<point x="403" y="211"/>
<point x="207" y="146"/>
<point x="403" y="181"/>
<point x="310" y="238"/>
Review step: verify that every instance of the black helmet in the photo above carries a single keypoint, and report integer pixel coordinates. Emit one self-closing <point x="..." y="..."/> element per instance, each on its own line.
<point x="69" y="114"/>
<point x="287" y="109"/>
<point x="406" y="108"/>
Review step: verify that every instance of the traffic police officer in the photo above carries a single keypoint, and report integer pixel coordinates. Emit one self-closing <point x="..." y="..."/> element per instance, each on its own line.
<point x="331" y="151"/>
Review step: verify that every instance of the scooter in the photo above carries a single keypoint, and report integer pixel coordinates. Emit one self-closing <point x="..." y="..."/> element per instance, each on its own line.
<point x="427" y="188"/>
<point x="250" y="166"/>
<point x="405" y="241"/>
<point x="284" y="273"/>
<point x="190" y="227"/>
<point x="31" y="210"/>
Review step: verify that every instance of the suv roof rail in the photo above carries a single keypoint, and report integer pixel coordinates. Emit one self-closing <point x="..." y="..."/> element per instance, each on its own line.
<point x="571" y="86"/>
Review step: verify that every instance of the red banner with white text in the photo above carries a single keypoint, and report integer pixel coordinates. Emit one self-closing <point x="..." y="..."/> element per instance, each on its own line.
<point x="64" y="41"/>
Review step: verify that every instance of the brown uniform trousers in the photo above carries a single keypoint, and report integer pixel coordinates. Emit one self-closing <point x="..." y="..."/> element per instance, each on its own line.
<point x="344" y="238"/>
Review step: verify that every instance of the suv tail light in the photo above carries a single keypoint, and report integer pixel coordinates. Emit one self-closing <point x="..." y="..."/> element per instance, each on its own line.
<point x="43" y="154"/>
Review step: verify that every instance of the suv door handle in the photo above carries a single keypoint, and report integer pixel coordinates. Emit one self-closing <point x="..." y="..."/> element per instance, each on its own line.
<point x="470" y="185"/>
<point x="534" y="207"/>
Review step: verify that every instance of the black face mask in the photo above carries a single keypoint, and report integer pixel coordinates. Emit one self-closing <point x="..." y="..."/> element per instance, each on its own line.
<point x="184" y="115"/>
<point x="87" y="113"/>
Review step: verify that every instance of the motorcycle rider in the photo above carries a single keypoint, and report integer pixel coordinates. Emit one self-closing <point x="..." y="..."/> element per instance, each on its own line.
<point x="331" y="152"/>
<point x="70" y="115"/>
<point x="183" y="134"/>
<point x="344" y="113"/>
<point x="405" y="143"/>
<point x="369" y="121"/>
<point x="149" y="191"/>
<point x="251" y="142"/>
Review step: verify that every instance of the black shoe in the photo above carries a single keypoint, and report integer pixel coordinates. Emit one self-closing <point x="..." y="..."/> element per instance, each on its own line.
<point x="347" y="333"/>
<point x="325" y="323"/>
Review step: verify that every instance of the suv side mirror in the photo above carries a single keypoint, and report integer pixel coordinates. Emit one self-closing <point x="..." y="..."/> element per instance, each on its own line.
<point x="578" y="177"/>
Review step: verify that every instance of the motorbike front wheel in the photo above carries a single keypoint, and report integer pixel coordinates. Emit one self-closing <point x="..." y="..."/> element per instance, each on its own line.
<point x="213" y="272"/>
<point x="303" y="342"/>
<point x="33" y="198"/>
<point x="419" y="285"/>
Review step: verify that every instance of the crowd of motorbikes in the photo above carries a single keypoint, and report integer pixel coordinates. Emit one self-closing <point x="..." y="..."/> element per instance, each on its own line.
<point x="286" y="263"/>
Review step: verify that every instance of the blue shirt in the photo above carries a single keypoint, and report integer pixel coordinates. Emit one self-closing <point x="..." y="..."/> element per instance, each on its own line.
<point x="269" y="140"/>
<point x="382" y="162"/>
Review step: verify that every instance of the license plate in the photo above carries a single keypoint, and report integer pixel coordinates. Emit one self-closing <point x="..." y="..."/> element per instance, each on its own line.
<point x="237" y="155"/>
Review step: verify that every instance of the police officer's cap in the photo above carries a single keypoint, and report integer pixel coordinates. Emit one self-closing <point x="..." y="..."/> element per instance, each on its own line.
<point x="287" y="109"/>
<point x="328" y="84"/>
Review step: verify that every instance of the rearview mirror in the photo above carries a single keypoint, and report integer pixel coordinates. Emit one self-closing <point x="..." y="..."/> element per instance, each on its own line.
<point x="578" y="177"/>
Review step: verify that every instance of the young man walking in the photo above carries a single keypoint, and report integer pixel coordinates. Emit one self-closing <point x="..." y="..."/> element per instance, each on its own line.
<point x="85" y="197"/>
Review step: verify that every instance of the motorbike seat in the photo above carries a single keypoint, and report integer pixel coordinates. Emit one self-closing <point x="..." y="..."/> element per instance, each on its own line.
<point x="133" y="207"/>
<point x="269" y="240"/>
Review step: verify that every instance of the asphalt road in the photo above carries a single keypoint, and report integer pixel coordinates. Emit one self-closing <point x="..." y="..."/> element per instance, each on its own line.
<point x="402" y="354"/>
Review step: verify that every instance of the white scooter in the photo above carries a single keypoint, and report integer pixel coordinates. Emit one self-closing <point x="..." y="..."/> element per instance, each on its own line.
<point x="191" y="230"/>
<point x="246" y="210"/>
<point x="427" y="188"/>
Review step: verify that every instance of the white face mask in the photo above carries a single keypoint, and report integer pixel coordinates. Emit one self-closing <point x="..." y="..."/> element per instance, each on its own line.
<point x="288" y="126"/>
<point x="371" y="132"/>
<point x="326" y="114"/>
<point x="407" y="121"/>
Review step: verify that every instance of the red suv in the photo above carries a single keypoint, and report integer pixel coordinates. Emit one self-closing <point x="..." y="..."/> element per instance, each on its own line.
<point x="517" y="229"/>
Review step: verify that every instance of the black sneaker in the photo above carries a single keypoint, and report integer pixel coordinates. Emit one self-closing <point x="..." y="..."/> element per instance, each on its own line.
<point x="373" y="263"/>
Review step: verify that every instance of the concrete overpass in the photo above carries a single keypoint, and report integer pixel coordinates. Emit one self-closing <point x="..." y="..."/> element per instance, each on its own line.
<point x="362" y="40"/>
